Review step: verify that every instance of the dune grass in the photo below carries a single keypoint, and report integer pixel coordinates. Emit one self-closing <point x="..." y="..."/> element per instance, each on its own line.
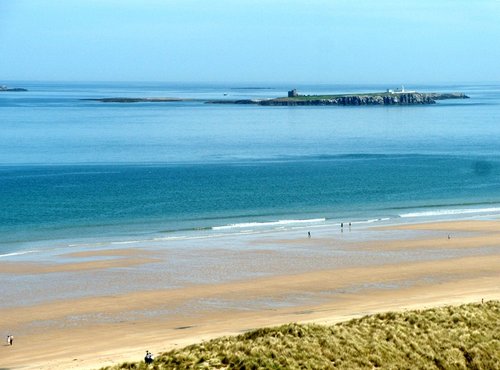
<point x="455" y="337"/>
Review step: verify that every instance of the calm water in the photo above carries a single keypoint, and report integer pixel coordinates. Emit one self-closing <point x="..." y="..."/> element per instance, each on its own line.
<point x="75" y="171"/>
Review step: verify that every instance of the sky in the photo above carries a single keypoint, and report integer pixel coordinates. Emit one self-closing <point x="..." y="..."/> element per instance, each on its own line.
<point x="313" y="41"/>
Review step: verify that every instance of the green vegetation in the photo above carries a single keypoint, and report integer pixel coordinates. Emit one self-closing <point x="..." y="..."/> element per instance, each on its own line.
<point x="334" y="96"/>
<point x="464" y="337"/>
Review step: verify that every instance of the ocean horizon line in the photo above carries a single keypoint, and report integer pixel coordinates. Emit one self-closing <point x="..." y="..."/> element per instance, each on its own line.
<point x="251" y="83"/>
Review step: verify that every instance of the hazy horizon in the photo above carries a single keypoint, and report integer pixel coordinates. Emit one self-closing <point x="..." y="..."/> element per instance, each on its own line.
<point x="258" y="84"/>
<point x="252" y="42"/>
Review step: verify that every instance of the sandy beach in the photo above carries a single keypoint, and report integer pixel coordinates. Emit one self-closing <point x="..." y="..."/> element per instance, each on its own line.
<point x="157" y="298"/>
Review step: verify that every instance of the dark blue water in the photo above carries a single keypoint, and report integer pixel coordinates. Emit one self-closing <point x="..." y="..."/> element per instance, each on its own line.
<point x="73" y="169"/>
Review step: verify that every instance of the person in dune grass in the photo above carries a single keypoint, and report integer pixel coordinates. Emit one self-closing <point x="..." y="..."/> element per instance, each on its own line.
<point x="148" y="359"/>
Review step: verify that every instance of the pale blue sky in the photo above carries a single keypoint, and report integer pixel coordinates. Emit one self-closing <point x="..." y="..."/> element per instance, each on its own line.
<point x="336" y="41"/>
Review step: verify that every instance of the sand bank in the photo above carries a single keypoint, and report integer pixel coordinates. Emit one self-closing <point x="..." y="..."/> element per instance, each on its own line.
<point x="88" y="332"/>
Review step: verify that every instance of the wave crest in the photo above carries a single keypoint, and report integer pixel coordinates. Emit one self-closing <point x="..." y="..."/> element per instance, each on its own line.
<point x="267" y="224"/>
<point x="451" y="212"/>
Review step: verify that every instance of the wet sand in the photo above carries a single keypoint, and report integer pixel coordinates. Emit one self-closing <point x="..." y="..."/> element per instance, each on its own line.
<point x="77" y="332"/>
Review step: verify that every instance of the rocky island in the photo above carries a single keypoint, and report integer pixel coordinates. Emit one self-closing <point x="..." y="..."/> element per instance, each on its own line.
<point x="389" y="97"/>
<point x="400" y="97"/>
<point x="6" y="88"/>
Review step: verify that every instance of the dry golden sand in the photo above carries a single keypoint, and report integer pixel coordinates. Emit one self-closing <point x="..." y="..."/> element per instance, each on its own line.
<point x="94" y="343"/>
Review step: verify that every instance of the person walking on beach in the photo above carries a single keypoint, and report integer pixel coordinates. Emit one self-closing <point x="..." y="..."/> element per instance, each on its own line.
<point x="309" y="234"/>
<point x="10" y="340"/>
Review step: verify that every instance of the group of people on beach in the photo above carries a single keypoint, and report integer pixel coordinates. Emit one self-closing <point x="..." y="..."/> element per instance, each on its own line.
<point x="341" y="229"/>
<point x="10" y="340"/>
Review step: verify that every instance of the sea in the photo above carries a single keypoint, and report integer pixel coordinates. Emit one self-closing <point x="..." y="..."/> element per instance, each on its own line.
<point x="76" y="172"/>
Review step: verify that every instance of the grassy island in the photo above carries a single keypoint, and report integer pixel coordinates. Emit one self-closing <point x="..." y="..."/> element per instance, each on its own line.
<point x="463" y="337"/>
<point x="381" y="98"/>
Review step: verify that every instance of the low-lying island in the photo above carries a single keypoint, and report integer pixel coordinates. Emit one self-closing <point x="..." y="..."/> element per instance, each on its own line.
<point x="383" y="98"/>
<point x="386" y="98"/>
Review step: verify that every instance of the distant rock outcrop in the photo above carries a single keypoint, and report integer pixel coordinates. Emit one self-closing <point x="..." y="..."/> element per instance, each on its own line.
<point x="6" y="88"/>
<point x="136" y="100"/>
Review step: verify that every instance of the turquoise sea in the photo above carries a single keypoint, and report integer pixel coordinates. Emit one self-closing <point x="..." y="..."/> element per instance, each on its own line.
<point x="76" y="172"/>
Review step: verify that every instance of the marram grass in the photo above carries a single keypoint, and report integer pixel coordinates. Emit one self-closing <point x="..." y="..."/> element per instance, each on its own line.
<point x="463" y="337"/>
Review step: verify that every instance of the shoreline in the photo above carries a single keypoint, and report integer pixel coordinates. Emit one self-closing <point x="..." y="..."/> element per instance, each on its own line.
<point x="36" y="249"/>
<point x="291" y="284"/>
